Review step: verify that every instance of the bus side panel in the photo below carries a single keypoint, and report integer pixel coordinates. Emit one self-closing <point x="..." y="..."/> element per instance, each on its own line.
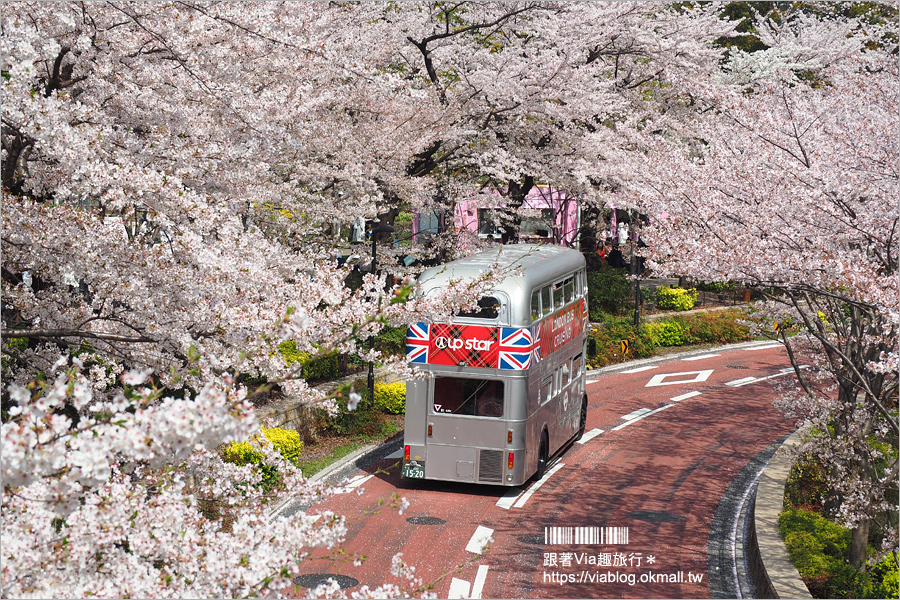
<point x="416" y="417"/>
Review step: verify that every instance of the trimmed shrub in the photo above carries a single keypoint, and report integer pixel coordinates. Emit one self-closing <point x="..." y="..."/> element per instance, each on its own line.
<point x="391" y="397"/>
<point x="608" y="292"/>
<point x="317" y="368"/>
<point x="819" y="550"/>
<point x="607" y="338"/>
<point x="287" y="442"/>
<point x="665" y="333"/>
<point x="391" y="341"/>
<point x="675" y="298"/>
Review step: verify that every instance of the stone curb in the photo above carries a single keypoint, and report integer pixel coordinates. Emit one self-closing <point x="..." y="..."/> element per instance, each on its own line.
<point x="779" y="569"/>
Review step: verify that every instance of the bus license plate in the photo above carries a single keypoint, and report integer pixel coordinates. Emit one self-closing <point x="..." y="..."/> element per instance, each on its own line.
<point x="413" y="471"/>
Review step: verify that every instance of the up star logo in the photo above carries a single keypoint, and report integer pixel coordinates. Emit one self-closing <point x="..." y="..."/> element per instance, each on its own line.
<point x="443" y="343"/>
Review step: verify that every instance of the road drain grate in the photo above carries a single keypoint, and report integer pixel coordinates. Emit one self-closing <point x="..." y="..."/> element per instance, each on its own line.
<point x="425" y="521"/>
<point x="534" y="540"/>
<point x="314" y="580"/>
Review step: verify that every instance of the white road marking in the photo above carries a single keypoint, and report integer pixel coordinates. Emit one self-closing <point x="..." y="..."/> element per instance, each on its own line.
<point x="589" y="435"/>
<point x="699" y="376"/>
<point x="701" y="357"/>
<point x="353" y="483"/>
<point x="521" y="502"/>
<point x="480" y="578"/>
<point x="769" y="347"/>
<point x="634" y="415"/>
<point x="459" y="588"/>
<point x="479" y="540"/>
<point x="639" y="369"/>
<point x="684" y="396"/>
<point x="740" y="382"/>
<point x="397" y="454"/>
<point x="506" y="501"/>
<point x="636" y="419"/>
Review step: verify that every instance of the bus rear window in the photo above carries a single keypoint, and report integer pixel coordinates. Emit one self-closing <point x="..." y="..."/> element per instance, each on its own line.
<point x="474" y="397"/>
<point x="488" y="308"/>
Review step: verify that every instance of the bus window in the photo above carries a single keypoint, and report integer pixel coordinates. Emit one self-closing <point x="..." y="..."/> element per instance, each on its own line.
<point x="579" y="284"/>
<point x="565" y="374"/>
<point x="535" y="305"/>
<point x="488" y="308"/>
<point x="576" y="367"/>
<point x="546" y="304"/>
<point x="569" y="288"/>
<point x="558" y="301"/>
<point x="546" y="389"/>
<point x="474" y="397"/>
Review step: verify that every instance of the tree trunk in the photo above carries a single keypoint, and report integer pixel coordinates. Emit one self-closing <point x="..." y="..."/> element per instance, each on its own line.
<point x="859" y="538"/>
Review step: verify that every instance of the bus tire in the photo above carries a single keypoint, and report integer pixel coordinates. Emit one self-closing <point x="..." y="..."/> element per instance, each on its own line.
<point x="584" y="409"/>
<point x="543" y="456"/>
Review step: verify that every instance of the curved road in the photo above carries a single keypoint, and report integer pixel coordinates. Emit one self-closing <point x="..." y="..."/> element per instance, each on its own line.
<point x="625" y="513"/>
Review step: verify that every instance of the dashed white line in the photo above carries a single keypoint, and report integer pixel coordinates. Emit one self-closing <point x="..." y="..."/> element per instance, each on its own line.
<point x="701" y="357"/>
<point x="639" y="369"/>
<point x="479" y="540"/>
<point x="684" y="396"/>
<point x="480" y="578"/>
<point x="508" y="499"/>
<point x="742" y="381"/>
<point x="589" y="435"/>
<point x="397" y="454"/>
<point x="636" y="419"/>
<point x="459" y="588"/>
<point x="635" y="414"/>
<point x="524" y="498"/>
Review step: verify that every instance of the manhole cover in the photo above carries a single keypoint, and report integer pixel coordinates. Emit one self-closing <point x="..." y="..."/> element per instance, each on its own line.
<point x="314" y="580"/>
<point x="535" y="540"/>
<point x="425" y="521"/>
<point x="654" y="516"/>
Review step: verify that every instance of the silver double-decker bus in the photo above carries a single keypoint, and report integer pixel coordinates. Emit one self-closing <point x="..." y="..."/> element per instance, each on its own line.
<point x="507" y="384"/>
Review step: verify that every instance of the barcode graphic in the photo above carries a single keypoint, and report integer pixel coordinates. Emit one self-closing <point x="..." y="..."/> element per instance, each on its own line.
<point x="586" y="535"/>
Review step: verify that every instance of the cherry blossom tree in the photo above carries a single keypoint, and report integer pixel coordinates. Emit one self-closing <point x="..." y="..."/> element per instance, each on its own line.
<point x="786" y="179"/>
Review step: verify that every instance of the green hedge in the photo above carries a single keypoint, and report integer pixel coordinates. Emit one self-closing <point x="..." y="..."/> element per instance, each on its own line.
<point x="819" y="550"/>
<point x="665" y="333"/>
<point x="287" y="442"/>
<point x="391" y="397"/>
<point x="608" y="292"/>
<point x="318" y="368"/>
<point x="676" y="298"/>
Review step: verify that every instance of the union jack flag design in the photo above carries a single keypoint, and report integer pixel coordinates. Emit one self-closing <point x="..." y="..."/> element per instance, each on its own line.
<point x="537" y="354"/>
<point x="417" y="343"/>
<point x="515" y="348"/>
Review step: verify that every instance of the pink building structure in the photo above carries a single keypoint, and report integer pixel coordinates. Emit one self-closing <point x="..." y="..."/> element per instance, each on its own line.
<point x="557" y="222"/>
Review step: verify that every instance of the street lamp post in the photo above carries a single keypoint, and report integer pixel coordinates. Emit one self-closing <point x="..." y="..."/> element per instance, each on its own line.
<point x="375" y="232"/>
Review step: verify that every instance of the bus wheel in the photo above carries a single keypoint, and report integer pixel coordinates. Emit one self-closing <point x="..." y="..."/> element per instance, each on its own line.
<point x="543" y="456"/>
<point x="584" y="407"/>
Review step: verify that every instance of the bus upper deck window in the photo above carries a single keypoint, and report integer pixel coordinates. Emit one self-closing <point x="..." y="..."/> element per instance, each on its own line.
<point x="535" y="305"/>
<point x="558" y="301"/>
<point x="546" y="304"/>
<point x="488" y="308"/>
<point x="569" y="287"/>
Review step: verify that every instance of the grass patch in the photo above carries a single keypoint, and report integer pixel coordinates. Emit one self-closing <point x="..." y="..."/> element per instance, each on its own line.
<point x="312" y="467"/>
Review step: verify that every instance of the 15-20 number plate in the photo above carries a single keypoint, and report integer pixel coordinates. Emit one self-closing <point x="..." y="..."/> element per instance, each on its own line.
<point x="413" y="471"/>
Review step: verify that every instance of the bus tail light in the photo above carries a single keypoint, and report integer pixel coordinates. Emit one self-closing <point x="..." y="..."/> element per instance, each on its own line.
<point x="406" y="453"/>
<point x="430" y="429"/>
<point x="509" y="436"/>
<point x="512" y="456"/>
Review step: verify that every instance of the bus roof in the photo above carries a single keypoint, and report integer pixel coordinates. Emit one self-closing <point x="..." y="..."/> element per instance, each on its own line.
<point x="535" y="265"/>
